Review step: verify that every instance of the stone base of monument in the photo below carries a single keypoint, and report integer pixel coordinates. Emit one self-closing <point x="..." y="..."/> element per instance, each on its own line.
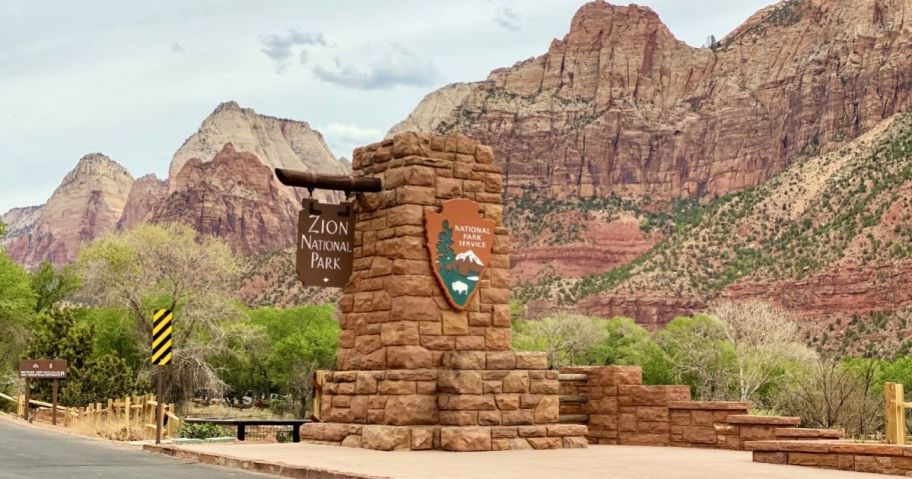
<point x="481" y="401"/>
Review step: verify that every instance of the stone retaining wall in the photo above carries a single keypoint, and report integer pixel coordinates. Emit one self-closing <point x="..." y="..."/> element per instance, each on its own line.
<point x="843" y="455"/>
<point x="619" y="409"/>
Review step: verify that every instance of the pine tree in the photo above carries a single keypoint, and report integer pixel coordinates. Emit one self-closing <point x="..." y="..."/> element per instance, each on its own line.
<point x="445" y="253"/>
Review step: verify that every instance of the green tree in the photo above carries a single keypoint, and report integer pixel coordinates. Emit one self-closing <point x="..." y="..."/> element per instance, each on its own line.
<point x="627" y="343"/>
<point x="169" y="267"/>
<point x="303" y="340"/>
<point x="700" y="356"/>
<point x="17" y="306"/>
<point x="566" y="338"/>
<point x="51" y="285"/>
<point x="57" y="335"/>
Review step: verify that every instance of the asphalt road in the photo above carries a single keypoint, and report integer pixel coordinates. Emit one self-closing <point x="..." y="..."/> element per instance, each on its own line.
<point x="32" y="453"/>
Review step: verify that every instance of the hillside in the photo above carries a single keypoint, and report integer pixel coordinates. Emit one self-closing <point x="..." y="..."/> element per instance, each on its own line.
<point x="830" y="237"/>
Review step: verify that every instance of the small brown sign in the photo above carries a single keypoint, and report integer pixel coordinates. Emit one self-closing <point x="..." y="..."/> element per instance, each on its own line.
<point x="43" y="369"/>
<point x="460" y="242"/>
<point x="326" y="236"/>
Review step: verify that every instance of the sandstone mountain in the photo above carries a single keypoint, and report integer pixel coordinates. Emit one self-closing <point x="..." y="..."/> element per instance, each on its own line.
<point x="619" y="105"/>
<point x="88" y="202"/>
<point x="233" y="196"/>
<point x="830" y="238"/>
<point x="145" y="193"/>
<point x="278" y="143"/>
<point x="221" y="183"/>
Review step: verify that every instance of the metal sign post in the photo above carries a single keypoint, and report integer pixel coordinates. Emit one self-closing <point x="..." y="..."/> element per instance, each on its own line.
<point x="28" y="398"/>
<point x="161" y="356"/>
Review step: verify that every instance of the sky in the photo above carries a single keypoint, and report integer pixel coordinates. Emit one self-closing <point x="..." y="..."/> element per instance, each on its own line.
<point x="134" y="79"/>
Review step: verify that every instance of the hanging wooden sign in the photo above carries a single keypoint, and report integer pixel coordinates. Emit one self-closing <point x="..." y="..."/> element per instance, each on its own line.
<point x="460" y="242"/>
<point x="326" y="238"/>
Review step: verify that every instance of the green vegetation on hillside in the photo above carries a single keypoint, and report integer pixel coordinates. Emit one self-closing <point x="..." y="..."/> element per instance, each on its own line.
<point x="798" y="223"/>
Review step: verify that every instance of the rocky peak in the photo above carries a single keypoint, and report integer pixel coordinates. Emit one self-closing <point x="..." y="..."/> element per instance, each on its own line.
<point x="276" y="142"/>
<point x="96" y="167"/>
<point x="145" y="193"/>
<point x="233" y="196"/>
<point x="87" y="204"/>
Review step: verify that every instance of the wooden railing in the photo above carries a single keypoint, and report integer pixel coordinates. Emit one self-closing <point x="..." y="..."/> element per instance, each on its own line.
<point x="129" y="410"/>
<point x="896" y="405"/>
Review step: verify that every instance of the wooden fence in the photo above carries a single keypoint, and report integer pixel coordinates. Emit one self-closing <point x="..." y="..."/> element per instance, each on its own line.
<point x="896" y="406"/>
<point x="129" y="410"/>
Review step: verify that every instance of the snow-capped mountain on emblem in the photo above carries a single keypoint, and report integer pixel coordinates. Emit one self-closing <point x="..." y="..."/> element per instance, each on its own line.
<point x="469" y="256"/>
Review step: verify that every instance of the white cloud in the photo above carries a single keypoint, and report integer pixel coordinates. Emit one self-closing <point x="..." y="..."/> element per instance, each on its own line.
<point x="280" y="47"/>
<point x="508" y="19"/>
<point x="398" y="67"/>
<point x="345" y="137"/>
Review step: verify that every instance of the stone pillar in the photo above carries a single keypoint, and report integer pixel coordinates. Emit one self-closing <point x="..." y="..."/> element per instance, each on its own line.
<point x="413" y="372"/>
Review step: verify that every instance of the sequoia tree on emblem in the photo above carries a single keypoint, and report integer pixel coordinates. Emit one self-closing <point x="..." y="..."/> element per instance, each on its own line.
<point x="460" y="243"/>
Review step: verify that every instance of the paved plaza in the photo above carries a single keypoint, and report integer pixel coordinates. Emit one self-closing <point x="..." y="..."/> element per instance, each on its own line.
<point x="614" y="462"/>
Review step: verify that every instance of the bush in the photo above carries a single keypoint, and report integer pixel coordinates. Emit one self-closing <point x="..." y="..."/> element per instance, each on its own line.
<point x="203" y="431"/>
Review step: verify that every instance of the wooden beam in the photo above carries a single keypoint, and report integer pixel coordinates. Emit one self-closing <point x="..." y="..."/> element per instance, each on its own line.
<point x="306" y="179"/>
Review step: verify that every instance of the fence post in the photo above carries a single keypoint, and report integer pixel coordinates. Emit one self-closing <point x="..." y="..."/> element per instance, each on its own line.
<point x="894" y="399"/>
<point x="127" y="411"/>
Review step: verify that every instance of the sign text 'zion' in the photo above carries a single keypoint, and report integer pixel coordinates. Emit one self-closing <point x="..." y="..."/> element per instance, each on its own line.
<point x="326" y="235"/>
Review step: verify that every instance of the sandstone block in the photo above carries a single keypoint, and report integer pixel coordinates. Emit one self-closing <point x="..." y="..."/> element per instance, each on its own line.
<point x="545" y="442"/>
<point x="547" y="410"/>
<point x="460" y="382"/>
<point x="576" y="442"/>
<point x="352" y="440"/>
<point x="396" y="387"/>
<point x="385" y="438"/>
<point x="516" y="382"/>
<point x="411" y="410"/>
<point x="408" y="357"/>
<point x="465" y="438"/>
<point x="498" y="339"/>
<point x="455" y="323"/>
<point x="399" y="333"/>
<point x="422" y="438"/>
<point x="458" y="418"/>
<point x="531" y="360"/>
<point x="501" y="360"/>
<point x="464" y="360"/>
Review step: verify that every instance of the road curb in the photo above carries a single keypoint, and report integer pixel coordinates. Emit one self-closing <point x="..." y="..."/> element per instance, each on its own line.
<point x="279" y="469"/>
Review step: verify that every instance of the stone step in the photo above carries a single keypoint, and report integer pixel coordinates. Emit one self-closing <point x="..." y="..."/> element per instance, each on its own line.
<point x="572" y="377"/>
<point x="748" y="420"/>
<point x="710" y="405"/>
<point x="808" y="433"/>
<point x="573" y="419"/>
<point x="574" y="399"/>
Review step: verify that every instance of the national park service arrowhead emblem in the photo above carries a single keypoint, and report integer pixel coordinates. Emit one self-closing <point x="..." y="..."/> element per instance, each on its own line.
<point x="460" y="243"/>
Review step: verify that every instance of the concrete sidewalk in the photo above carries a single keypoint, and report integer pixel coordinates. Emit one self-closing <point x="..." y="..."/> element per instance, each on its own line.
<point x="615" y="462"/>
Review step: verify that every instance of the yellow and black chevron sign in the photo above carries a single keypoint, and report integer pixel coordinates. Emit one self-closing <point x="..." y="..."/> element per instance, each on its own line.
<point x="161" y="336"/>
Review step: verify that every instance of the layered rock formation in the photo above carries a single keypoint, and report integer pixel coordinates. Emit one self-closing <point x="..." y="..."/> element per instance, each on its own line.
<point x="278" y="143"/>
<point x="145" y="193"/>
<point x="829" y="239"/>
<point x="88" y="203"/>
<point x="19" y="222"/>
<point x="619" y="105"/>
<point x="233" y="196"/>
